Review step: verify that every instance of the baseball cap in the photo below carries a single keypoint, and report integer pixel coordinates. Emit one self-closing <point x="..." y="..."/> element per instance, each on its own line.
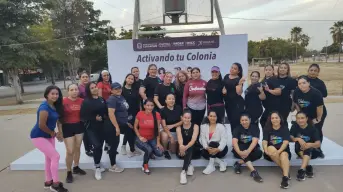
<point x="215" y="68"/>
<point x="115" y="85"/>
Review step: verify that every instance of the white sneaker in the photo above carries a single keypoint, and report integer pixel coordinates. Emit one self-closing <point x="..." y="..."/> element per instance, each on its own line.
<point x="222" y="164"/>
<point x="132" y="154"/>
<point x="116" y="169"/>
<point x="123" y="150"/>
<point x="210" y="167"/>
<point x="190" y="170"/>
<point x="98" y="174"/>
<point x="183" y="177"/>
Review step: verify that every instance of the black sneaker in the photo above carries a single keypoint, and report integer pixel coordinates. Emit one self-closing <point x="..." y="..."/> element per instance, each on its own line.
<point x="79" y="171"/>
<point x="69" y="178"/>
<point x="237" y="167"/>
<point x="47" y="184"/>
<point x="301" y="175"/>
<point x="89" y="153"/>
<point x="284" y="183"/>
<point x="254" y="174"/>
<point x="309" y="171"/>
<point x="58" y="188"/>
<point x="167" y="155"/>
<point x="321" y="154"/>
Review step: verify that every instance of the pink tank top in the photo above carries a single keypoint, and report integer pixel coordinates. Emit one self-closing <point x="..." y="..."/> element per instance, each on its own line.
<point x="210" y="135"/>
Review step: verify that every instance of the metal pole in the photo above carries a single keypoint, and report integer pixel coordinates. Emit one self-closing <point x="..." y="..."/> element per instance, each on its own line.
<point x="135" y="21"/>
<point x="326" y="51"/>
<point x="109" y="32"/>
<point x="177" y="31"/>
<point x="219" y="17"/>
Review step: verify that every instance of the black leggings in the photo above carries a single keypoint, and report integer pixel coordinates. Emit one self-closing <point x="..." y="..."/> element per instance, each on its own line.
<point x="112" y="139"/>
<point x="319" y="127"/>
<point x="96" y="136"/>
<point x="220" y="154"/>
<point x="254" y="155"/>
<point x="129" y="136"/>
<point x="86" y="143"/>
<point x="187" y="158"/>
<point x="197" y="116"/>
<point x="311" y="152"/>
<point x="233" y="111"/>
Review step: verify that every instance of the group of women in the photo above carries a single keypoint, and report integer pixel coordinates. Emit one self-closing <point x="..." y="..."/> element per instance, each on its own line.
<point x="159" y="117"/>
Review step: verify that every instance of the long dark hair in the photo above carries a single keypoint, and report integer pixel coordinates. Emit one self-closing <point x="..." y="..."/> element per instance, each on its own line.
<point x="57" y="104"/>
<point x="288" y="69"/>
<point x="207" y="121"/>
<point x="100" y="79"/>
<point x="258" y="73"/>
<point x="88" y="90"/>
<point x="151" y="65"/>
<point x="240" y="69"/>
<point x="156" y="128"/>
<point x="269" y="126"/>
<point x="134" y="79"/>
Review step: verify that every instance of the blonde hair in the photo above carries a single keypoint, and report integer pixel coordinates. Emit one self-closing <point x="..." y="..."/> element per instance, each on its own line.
<point x="177" y="81"/>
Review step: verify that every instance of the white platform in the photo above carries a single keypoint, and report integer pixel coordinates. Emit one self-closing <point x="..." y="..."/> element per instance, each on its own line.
<point x="34" y="160"/>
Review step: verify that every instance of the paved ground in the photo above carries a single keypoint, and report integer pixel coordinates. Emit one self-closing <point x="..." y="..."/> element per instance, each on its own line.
<point x="14" y="142"/>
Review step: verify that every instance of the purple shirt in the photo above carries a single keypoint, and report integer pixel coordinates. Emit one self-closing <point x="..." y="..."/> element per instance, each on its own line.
<point x="82" y="91"/>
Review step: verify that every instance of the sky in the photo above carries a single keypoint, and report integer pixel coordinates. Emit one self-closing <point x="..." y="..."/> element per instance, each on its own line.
<point x="120" y="13"/>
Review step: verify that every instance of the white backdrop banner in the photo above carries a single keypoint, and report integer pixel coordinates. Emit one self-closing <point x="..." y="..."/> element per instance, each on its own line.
<point x="169" y="53"/>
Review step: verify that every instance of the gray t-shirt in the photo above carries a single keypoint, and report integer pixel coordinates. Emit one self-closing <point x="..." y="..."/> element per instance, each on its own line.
<point x="121" y="106"/>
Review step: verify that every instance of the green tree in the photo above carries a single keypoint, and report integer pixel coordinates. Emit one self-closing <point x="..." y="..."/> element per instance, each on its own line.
<point x="295" y="38"/>
<point x="304" y="42"/>
<point x="337" y="36"/>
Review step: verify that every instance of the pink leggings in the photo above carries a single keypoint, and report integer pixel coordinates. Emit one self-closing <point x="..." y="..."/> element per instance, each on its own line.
<point x="52" y="157"/>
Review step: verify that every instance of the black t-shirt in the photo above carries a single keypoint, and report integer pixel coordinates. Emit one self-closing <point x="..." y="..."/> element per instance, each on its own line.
<point x="131" y="96"/>
<point x="308" y="134"/>
<point x="171" y="116"/>
<point x="230" y="86"/>
<point x="150" y="83"/>
<point x="179" y="94"/>
<point x="308" y="102"/>
<point x="253" y="102"/>
<point x="287" y="85"/>
<point x="91" y="108"/>
<point x="276" y="137"/>
<point x="245" y="136"/>
<point x="272" y="102"/>
<point x="162" y="91"/>
<point x="320" y="85"/>
<point x="214" y="91"/>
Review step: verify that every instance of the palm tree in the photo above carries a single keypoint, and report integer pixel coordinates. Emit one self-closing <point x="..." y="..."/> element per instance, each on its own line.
<point x="304" y="41"/>
<point x="337" y="36"/>
<point x="295" y="38"/>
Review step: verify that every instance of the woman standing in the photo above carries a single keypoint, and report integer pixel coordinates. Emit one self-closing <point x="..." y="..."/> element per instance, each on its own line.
<point x="161" y="73"/>
<point x="245" y="146"/>
<point x="171" y="119"/>
<point x="147" y="89"/>
<point x="194" y="96"/>
<point x="164" y="89"/>
<point x="234" y="102"/>
<point x="187" y="135"/>
<point x="214" y="92"/>
<point x="306" y="139"/>
<point x="275" y="144"/>
<point x="72" y="130"/>
<point x="189" y="72"/>
<point x="181" y="79"/>
<point x="104" y="84"/>
<point x="313" y="73"/>
<point x="254" y="94"/>
<point x="117" y="121"/>
<point x="213" y="138"/>
<point x="272" y="90"/>
<point x="147" y="130"/>
<point x="310" y="101"/>
<point x="84" y="79"/>
<point x="43" y="135"/>
<point x="287" y="85"/>
<point x="137" y="83"/>
<point x="130" y="94"/>
<point x="93" y="114"/>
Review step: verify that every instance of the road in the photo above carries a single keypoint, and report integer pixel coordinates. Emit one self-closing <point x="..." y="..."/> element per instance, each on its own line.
<point x="39" y="88"/>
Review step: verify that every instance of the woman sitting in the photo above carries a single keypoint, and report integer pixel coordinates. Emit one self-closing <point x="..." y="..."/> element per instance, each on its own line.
<point x="245" y="146"/>
<point x="148" y="138"/>
<point x="187" y="135"/>
<point x="275" y="144"/>
<point x="306" y="138"/>
<point x="213" y="138"/>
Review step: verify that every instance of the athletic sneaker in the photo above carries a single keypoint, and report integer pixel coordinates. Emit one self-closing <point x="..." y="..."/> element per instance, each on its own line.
<point x="301" y="175"/>
<point x="58" y="188"/>
<point x="89" y="153"/>
<point x="69" y="178"/>
<point x="116" y="169"/>
<point x="47" y="184"/>
<point x="167" y="155"/>
<point x="132" y="154"/>
<point x="145" y="169"/>
<point x="321" y="154"/>
<point x="190" y="170"/>
<point x="77" y="170"/>
<point x="98" y="174"/>
<point x="254" y="174"/>
<point x="284" y="183"/>
<point x="123" y="150"/>
<point x="237" y="167"/>
<point x="183" y="178"/>
<point x="309" y="171"/>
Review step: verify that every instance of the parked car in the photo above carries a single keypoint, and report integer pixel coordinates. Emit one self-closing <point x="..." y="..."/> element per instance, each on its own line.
<point x="94" y="77"/>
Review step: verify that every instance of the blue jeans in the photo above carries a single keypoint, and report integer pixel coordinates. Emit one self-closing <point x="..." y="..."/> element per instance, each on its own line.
<point x="149" y="148"/>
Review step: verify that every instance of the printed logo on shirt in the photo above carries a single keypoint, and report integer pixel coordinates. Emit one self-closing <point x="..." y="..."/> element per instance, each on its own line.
<point x="74" y="107"/>
<point x="275" y="140"/>
<point x="305" y="138"/>
<point x="172" y="90"/>
<point x="126" y="105"/>
<point x="302" y="103"/>
<point x="148" y="122"/>
<point x="196" y="88"/>
<point x="246" y="138"/>
<point x="282" y="87"/>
